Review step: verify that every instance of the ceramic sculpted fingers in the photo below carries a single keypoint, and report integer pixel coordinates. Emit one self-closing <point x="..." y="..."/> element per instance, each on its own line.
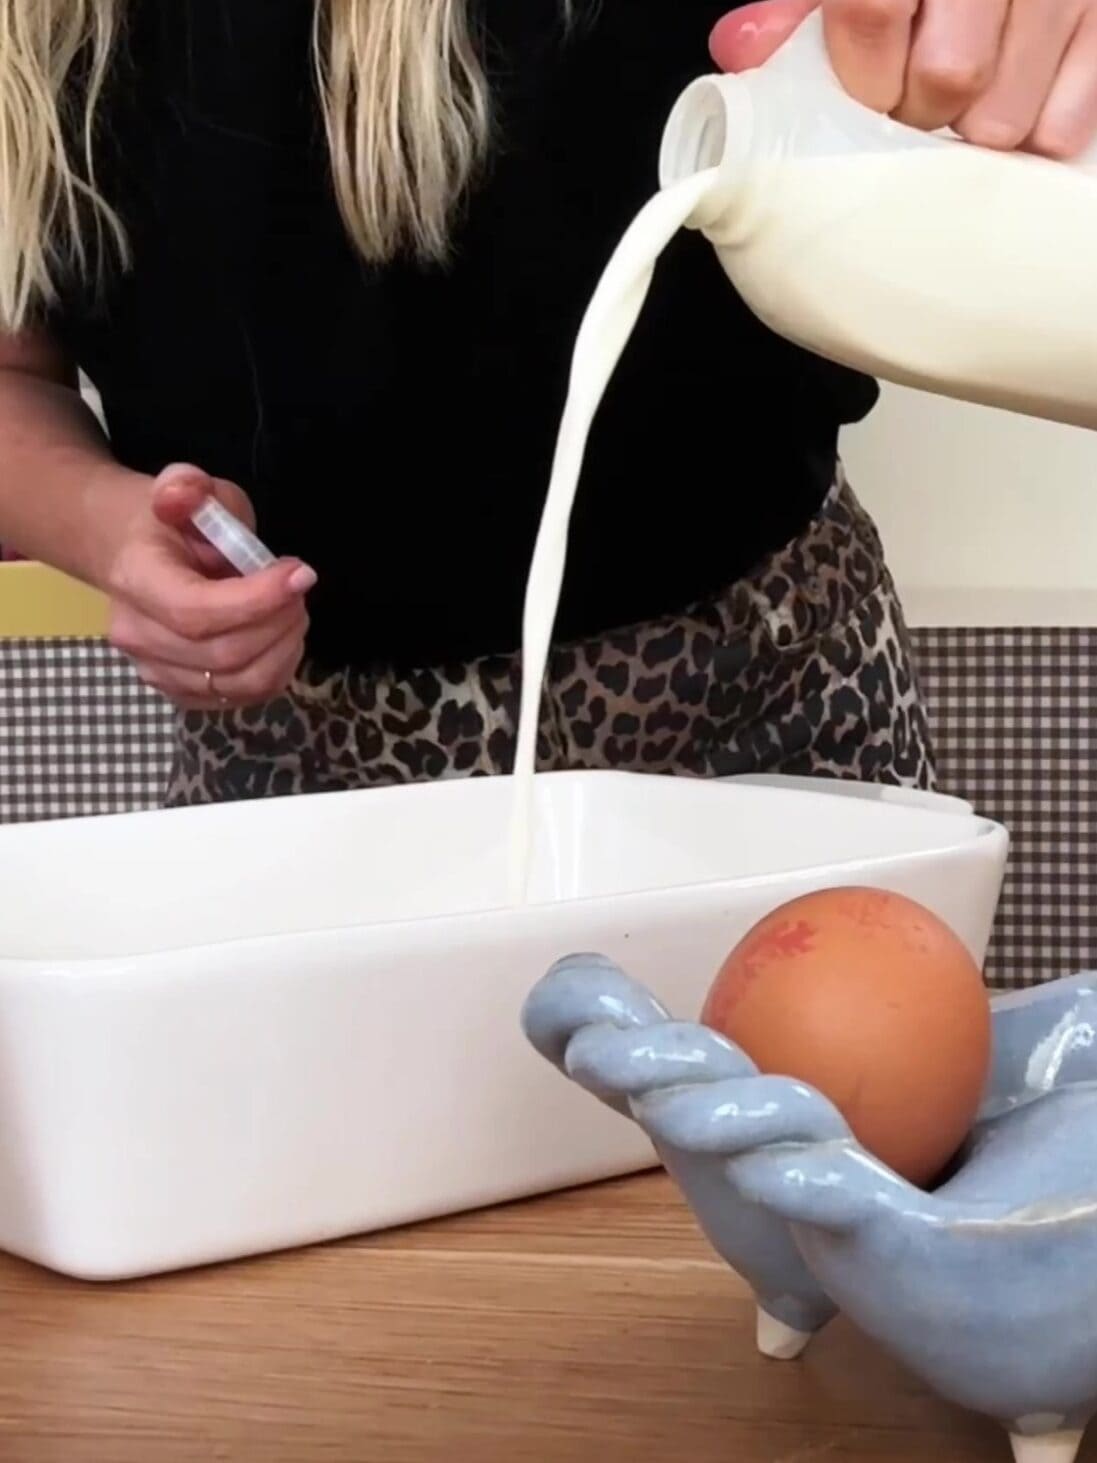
<point x="1045" y="1038"/>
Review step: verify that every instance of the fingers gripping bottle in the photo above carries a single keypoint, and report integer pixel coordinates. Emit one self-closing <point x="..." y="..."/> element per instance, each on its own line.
<point x="915" y="257"/>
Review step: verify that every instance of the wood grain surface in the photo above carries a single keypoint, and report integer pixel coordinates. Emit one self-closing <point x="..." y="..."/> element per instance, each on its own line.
<point x="592" y="1325"/>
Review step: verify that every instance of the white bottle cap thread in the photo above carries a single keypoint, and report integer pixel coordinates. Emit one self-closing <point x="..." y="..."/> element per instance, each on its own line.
<point x="231" y="538"/>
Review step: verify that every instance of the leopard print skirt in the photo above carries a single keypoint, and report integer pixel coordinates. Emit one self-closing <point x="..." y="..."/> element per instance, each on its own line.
<point x="804" y="667"/>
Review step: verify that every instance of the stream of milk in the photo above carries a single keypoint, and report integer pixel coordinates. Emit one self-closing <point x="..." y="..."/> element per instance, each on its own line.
<point x="603" y="335"/>
<point x="951" y="268"/>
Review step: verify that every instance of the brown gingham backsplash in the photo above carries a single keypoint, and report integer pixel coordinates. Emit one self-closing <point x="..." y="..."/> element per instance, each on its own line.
<point x="80" y="735"/>
<point x="1013" y="719"/>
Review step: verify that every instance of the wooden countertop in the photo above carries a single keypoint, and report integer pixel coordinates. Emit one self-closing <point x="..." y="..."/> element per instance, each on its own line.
<point x="593" y="1325"/>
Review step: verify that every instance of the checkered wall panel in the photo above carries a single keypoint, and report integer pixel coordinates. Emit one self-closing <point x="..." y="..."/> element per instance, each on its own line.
<point x="1013" y="715"/>
<point x="79" y="733"/>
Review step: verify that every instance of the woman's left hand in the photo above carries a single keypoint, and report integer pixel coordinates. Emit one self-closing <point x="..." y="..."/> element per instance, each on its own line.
<point x="1007" y="74"/>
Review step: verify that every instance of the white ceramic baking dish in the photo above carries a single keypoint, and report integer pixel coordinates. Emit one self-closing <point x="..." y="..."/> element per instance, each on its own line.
<point x="235" y="1029"/>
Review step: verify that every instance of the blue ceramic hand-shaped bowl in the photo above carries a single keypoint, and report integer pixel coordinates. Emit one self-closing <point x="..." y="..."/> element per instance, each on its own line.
<point x="986" y="1287"/>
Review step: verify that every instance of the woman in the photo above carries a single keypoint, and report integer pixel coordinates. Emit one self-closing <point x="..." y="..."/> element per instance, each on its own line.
<point x="333" y="253"/>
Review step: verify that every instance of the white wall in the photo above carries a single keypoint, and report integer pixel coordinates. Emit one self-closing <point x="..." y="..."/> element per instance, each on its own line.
<point x="988" y="518"/>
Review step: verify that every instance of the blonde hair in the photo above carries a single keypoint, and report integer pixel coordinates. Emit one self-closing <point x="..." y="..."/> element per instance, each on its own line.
<point x="405" y="106"/>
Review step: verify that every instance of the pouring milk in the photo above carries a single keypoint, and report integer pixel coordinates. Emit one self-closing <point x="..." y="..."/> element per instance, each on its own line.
<point x="917" y="258"/>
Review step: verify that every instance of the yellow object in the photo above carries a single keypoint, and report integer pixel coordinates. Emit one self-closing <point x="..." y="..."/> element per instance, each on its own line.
<point x="40" y="603"/>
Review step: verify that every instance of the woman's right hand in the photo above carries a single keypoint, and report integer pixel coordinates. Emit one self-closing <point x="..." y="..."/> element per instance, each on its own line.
<point x="198" y="632"/>
<point x="1007" y="74"/>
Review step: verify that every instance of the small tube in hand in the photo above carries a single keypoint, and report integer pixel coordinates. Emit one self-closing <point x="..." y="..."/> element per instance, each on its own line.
<point x="231" y="538"/>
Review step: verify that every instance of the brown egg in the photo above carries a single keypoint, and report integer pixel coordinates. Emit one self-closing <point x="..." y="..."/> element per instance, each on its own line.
<point x="875" y="1002"/>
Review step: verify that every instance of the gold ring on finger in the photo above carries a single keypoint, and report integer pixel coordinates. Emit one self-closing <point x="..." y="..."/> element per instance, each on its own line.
<point x="212" y="691"/>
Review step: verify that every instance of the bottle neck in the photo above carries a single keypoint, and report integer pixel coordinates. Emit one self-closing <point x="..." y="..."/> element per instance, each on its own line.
<point x="715" y="128"/>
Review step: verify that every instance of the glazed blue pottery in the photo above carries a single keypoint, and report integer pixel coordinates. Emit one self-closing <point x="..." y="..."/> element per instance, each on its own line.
<point x="986" y="1287"/>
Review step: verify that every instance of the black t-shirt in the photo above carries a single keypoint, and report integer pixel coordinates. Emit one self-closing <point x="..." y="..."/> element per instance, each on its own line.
<point x="395" y="426"/>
